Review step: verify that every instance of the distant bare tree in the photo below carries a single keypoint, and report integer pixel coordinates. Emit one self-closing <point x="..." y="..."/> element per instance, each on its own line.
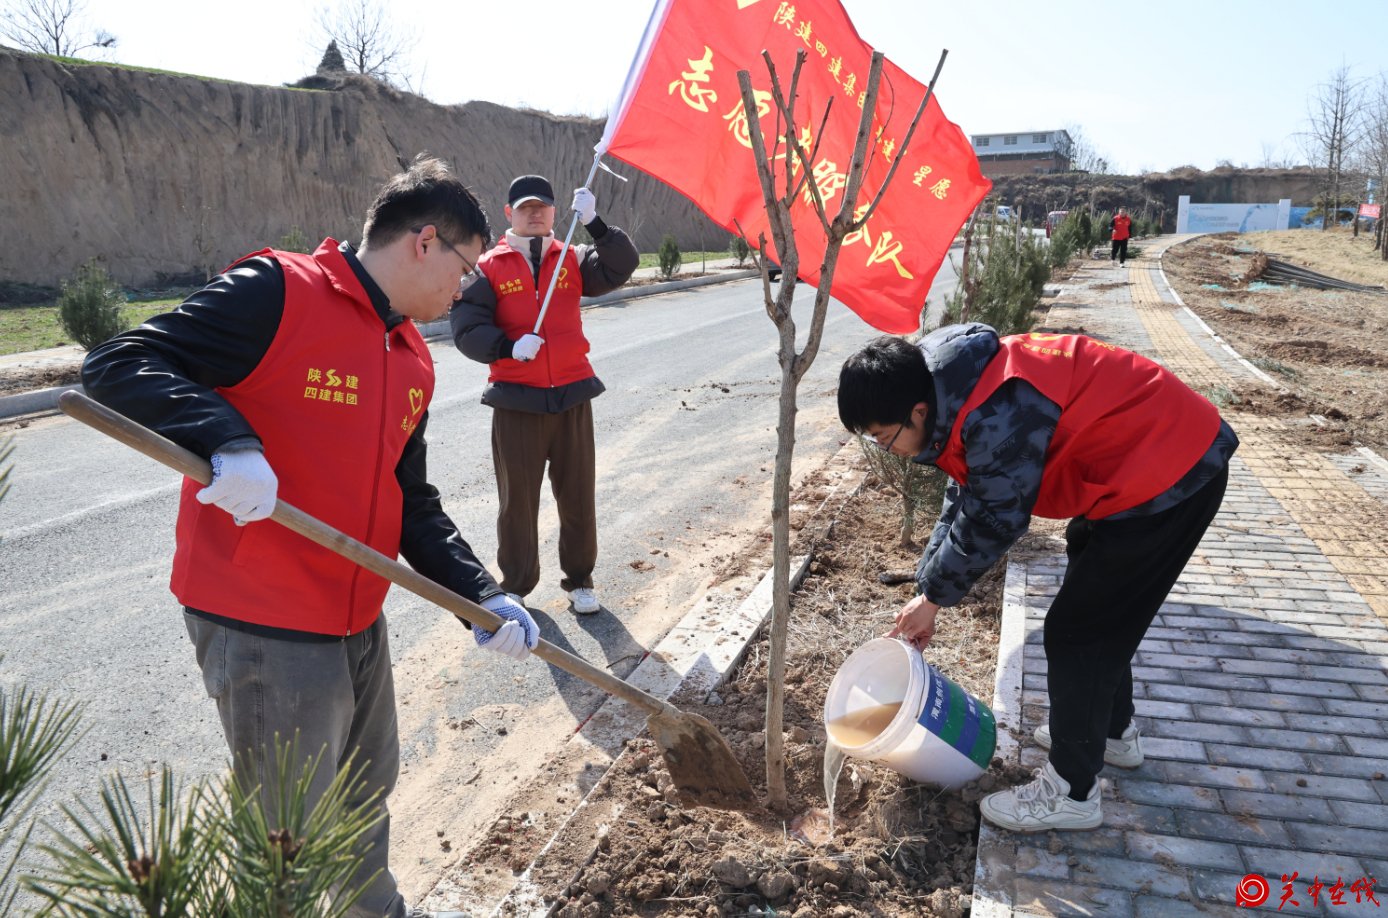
<point x="1335" y="128"/>
<point x="1275" y="156"/>
<point x="369" y="44"/>
<point x="1083" y="155"/>
<point x="51" y="27"/>
<point x="1373" y="153"/>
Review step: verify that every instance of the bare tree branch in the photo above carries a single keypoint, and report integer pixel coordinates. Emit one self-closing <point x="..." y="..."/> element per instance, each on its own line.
<point x="369" y="44"/>
<point x="51" y="27"/>
<point x="1083" y="155"/>
<point x="783" y="110"/>
<point x="793" y="365"/>
<point x="1335" y="128"/>
<point x="905" y="145"/>
<point x="857" y="168"/>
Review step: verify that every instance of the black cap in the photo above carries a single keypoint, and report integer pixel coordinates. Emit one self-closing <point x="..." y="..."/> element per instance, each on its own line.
<point x="530" y="188"/>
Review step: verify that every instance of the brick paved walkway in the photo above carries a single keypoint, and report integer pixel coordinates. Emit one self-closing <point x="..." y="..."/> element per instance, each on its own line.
<point x="1261" y="689"/>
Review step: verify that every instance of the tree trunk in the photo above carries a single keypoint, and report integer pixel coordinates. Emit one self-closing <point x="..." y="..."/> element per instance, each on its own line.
<point x="780" y="586"/>
<point x="908" y="513"/>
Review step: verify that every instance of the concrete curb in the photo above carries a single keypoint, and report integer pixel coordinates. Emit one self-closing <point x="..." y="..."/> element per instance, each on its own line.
<point x="990" y="899"/>
<point x="1161" y="270"/>
<point x="46" y="400"/>
<point x="13" y="406"/>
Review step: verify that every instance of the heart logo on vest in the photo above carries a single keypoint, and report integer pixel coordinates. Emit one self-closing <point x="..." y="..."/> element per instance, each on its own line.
<point x="416" y="400"/>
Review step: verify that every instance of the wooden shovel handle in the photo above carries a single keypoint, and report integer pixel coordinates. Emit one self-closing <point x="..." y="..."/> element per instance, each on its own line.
<point x="161" y="449"/>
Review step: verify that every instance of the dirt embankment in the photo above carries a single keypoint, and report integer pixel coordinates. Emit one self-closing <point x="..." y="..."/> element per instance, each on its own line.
<point x="165" y="174"/>
<point x="1329" y="348"/>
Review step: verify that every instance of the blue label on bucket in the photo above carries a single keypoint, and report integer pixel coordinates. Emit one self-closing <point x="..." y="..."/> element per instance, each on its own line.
<point x="959" y="719"/>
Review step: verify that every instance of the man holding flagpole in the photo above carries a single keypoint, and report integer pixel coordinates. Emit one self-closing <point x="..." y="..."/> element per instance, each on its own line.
<point x="541" y="385"/>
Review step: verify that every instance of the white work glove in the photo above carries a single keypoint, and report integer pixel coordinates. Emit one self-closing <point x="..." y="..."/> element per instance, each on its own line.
<point x="526" y="347"/>
<point x="585" y="205"/>
<point x="517" y="637"/>
<point x="243" y="484"/>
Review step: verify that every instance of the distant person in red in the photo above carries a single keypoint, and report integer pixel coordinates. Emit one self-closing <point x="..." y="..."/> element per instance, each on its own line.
<point x="1120" y="229"/>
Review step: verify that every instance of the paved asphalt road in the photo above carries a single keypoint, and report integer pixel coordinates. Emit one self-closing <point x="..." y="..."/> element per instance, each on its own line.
<point x="685" y="440"/>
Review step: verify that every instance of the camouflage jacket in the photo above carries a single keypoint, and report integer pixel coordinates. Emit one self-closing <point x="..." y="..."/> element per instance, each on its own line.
<point x="1005" y="442"/>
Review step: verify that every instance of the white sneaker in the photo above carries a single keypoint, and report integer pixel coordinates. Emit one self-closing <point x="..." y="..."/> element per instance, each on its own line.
<point x="1125" y="752"/>
<point x="1042" y="805"/>
<point x="585" y="601"/>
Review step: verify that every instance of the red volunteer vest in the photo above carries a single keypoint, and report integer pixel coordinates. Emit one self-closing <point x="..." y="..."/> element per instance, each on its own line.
<point x="1122" y="228"/>
<point x="564" y="358"/>
<point x="334" y="400"/>
<point x="1129" y="429"/>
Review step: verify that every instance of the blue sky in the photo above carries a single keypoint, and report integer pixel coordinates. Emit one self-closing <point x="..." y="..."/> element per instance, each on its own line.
<point x="1152" y="85"/>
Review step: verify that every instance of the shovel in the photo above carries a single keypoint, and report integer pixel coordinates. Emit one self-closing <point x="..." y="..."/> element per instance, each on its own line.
<point x="700" y="762"/>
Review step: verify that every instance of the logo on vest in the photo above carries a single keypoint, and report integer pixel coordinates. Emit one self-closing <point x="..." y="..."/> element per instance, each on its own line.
<point x="507" y="288"/>
<point x="564" y="278"/>
<point x="327" y="386"/>
<point x="1048" y="351"/>
<point x="410" y="421"/>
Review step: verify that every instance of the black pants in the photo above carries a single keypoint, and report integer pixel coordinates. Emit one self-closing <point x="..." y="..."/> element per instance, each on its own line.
<point x="1119" y="251"/>
<point x="1119" y="573"/>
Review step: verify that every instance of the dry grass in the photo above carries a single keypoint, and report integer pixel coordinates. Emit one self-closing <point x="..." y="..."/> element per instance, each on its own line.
<point x="1335" y="252"/>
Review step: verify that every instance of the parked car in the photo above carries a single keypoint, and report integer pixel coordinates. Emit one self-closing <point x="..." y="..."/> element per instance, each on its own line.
<point x="1054" y="219"/>
<point x="1003" y="214"/>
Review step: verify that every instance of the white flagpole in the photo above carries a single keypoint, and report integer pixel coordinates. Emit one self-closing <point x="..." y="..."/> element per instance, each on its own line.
<point x="559" y="266"/>
<point x="614" y="119"/>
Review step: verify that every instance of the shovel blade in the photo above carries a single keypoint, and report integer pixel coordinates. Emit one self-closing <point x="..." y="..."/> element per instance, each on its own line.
<point x="700" y="762"/>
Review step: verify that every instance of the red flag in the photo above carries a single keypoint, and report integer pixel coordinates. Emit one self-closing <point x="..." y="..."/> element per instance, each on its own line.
<point x="682" y="120"/>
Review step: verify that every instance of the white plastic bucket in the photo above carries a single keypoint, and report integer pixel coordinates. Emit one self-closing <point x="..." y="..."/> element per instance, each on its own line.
<point x="942" y="734"/>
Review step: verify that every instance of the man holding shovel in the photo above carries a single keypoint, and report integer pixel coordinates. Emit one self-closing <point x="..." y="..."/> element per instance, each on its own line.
<point x="1058" y="426"/>
<point x="541" y="385"/>
<point x="302" y="377"/>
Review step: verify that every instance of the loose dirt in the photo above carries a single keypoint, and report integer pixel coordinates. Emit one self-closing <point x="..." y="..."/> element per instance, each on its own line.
<point x="900" y="848"/>
<point x="25" y="379"/>
<point x="1327" y="347"/>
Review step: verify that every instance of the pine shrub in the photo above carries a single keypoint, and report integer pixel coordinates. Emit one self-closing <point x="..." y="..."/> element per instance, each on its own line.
<point x="1005" y="277"/>
<point x="669" y="256"/>
<point x="740" y="250"/>
<point x="89" y="306"/>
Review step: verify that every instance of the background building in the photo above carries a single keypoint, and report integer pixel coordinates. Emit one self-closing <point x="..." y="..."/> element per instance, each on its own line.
<point x="1023" y="152"/>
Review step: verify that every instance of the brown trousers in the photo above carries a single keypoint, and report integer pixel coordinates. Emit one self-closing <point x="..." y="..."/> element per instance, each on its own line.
<point x="522" y="443"/>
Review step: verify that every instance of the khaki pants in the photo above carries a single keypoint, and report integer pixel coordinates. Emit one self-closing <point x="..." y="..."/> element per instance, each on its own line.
<point x="522" y="443"/>
<point x="337" y="696"/>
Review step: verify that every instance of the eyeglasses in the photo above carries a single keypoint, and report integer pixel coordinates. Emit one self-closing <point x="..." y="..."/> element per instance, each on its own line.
<point x="471" y="275"/>
<point x="872" y="438"/>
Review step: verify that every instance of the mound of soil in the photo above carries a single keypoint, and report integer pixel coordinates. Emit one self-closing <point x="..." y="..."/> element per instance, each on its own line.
<point x="27" y="379"/>
<point x="899" y="848"/>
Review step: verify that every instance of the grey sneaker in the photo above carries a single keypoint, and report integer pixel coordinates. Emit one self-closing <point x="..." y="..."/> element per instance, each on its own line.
<point x="1125" y="752"/>
<point x="584" y="601"/>
<point x="1043" y="805"/>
